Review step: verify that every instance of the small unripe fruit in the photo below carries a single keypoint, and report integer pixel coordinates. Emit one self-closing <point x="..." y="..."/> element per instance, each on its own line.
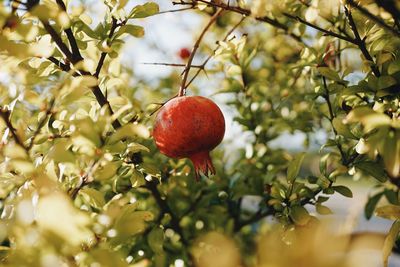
<point x="184" y="53"/>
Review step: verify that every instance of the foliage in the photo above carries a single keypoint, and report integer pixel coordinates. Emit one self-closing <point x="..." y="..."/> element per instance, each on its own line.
<point x="82" y="183"/>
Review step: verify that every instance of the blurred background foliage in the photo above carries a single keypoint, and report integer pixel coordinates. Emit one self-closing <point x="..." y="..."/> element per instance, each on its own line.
<point x="82" y="183"/>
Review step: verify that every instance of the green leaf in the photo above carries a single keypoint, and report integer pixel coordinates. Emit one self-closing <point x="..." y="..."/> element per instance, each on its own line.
<point x="88" y="129"/>
<point x="342" y="128"/>
<point x="60" y="152"/>
<point x="391" y="212"/>
<point x="322" y="199"/>
<point x="129" y="131"/>
<point x="134" y="30"/>
<point x="107" y="171"/>
<point x="155" y="240"/>
<point x="312" y="179"/>
<point x="323" y="210"/>
<point x="299" y="215"/>
<point x="329" y="73"/>
<point x="392" y="196"/>
<point x="22" y="166"/>
<point x="391" y="153"/>
<point x="135" y="147"/>
<point x="323" y="182"/>
<point x="385" y="82"/>
<point x="374" y="169"/>
<point x="343" y="190"/>
<point x="394" y="67"/>
<point x="137" y="178"/>
<point x="15" y="152"/>
<point x="143" y="11"/>
<point x="294" y="167"/>
<point x="371" y="204"/>
<point x="94" y="197"/>
<point x="323" y="163"/>
<point x="389" y="242"/>
<point x="131" y="222"/>
<point x="150" y="168"/>
<point x="369" y="118"/>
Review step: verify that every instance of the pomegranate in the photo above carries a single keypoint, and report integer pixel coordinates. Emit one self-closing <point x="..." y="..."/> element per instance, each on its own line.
<point x="190" y="127"/>
<point x="184" y="53"/>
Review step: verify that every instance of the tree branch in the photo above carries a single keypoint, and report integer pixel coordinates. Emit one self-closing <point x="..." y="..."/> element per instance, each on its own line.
<point x="186" y="71"/>
<point x="100" y="97"/>
<point x="102" y="100"/>
<point x="331" y="118"/>
<point x="361" y="42"/>
<point x="104" y="54"/>
<point x="59" y="42"/>
<point x="255" y="218"/>
<point x="71" y="38"/>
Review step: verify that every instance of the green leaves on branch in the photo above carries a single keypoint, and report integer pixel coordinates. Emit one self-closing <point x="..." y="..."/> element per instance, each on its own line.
<point x="94" y="197"/>
<point x="382" y="136"/>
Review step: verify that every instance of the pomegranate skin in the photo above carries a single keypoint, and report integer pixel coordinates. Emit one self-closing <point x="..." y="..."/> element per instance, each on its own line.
<point x="190" y="127"/>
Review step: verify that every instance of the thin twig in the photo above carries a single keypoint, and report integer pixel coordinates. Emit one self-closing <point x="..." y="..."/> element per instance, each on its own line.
<point x="161" y="105"/>
<point x="170" y="64"/>
<point x="361" y="42"/>
<point x="331" y="118"/>
<point x="247" y="13"/>
<point x="5" y="114"/>
<point x="211" y="55"/>
<point x="41" y="124"/>
<point x="182" y="89"/>
<point x="255" y="218"/>
<point x="327" y="32"/>
<point x="174" y="10"/>
<point x="84" y="179"/>
<point x="61" y="65"/>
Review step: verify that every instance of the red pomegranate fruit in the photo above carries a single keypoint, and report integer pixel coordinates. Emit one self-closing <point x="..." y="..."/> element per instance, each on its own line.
<point x="190" y="127"/>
